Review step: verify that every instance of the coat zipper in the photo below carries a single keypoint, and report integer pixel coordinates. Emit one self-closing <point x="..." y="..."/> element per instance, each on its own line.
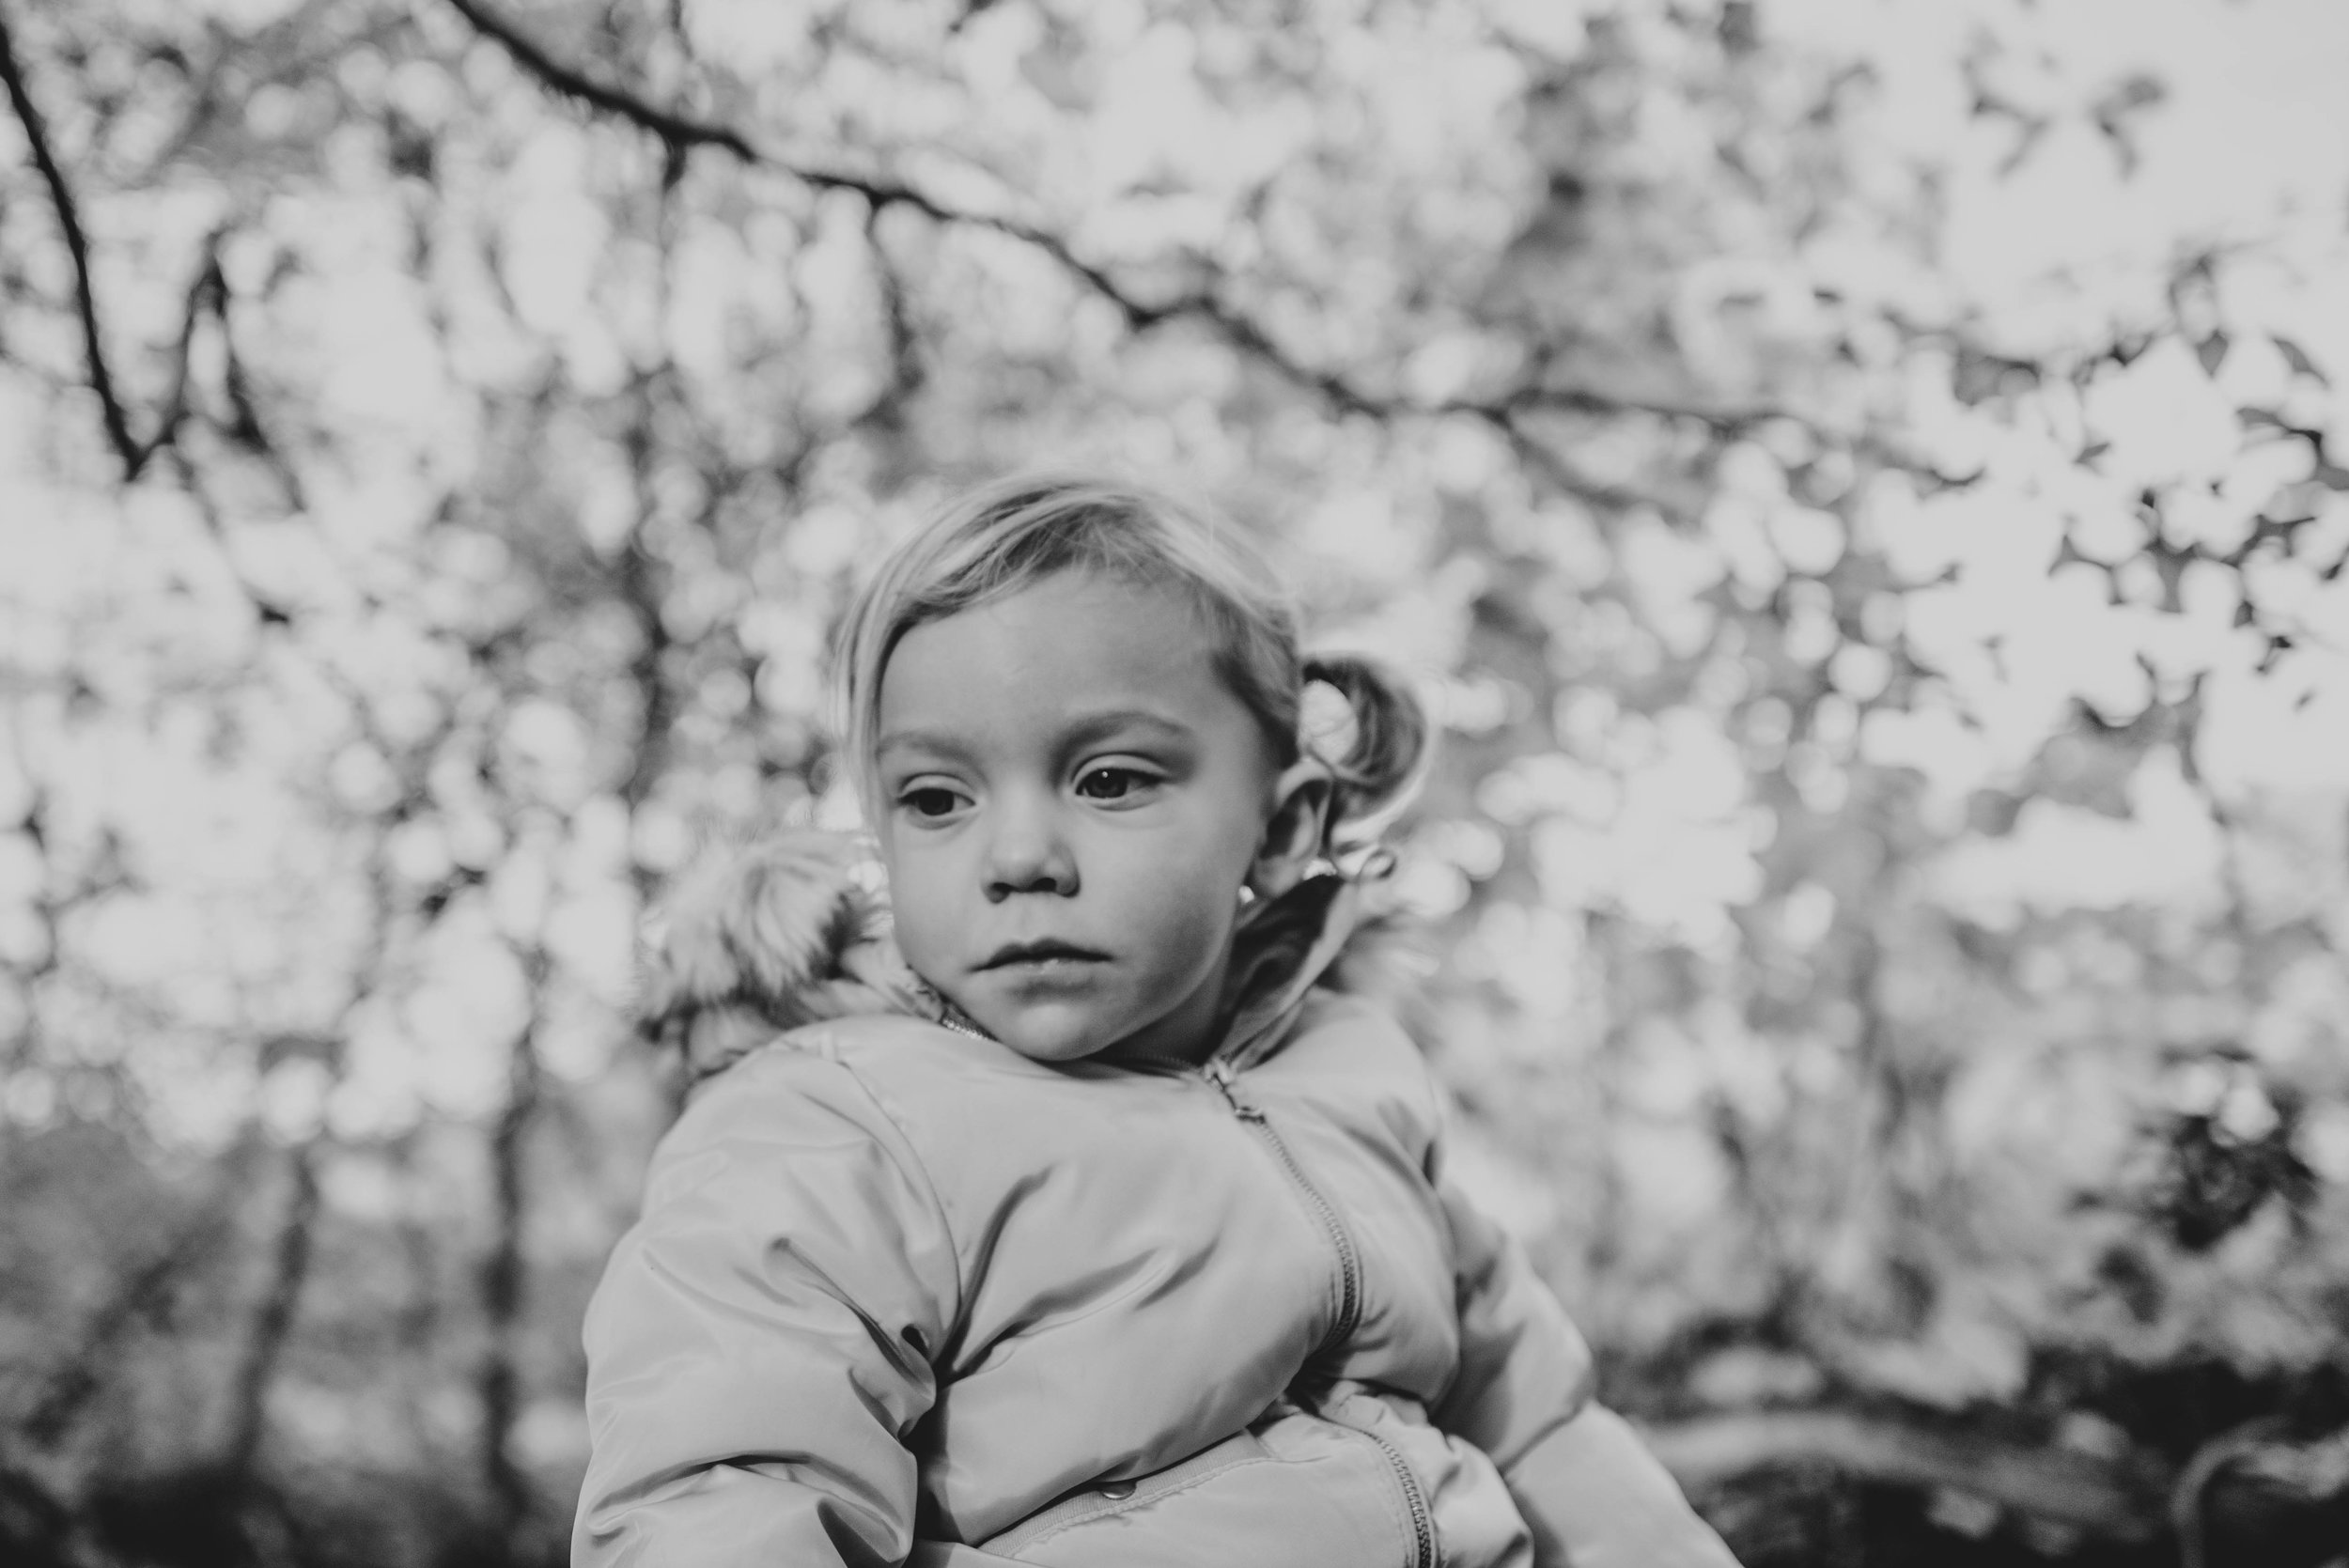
<point x="1219" y="1072"/>
<point x="1423" y="1518"/>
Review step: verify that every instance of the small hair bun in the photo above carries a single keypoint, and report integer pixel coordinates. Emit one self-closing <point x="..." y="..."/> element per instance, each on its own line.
<point x="1385" y="755"/>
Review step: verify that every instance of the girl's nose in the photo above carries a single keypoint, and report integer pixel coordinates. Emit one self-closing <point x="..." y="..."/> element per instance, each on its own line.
<point x="1027" y="854"/>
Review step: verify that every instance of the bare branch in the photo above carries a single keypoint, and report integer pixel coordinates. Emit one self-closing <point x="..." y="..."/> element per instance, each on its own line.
<point x="77" y="246"/>
<point x="207" y="291"/>
<point x="2115" y="1499"/>
<point x="1540" y="397"/>
<point x="505" y="1272"/>
<point x="142" y="1294"/>
<point x="677" y="131"/>
<point x="906" y="371"/>
<point x="289" y="1270"/>
<point x="642" y="579"/>
<point x="265" y="607"/>
<point x="1538" y="457"/>
<point x="293" y="1252"/>
<point x="1205" y="307"/>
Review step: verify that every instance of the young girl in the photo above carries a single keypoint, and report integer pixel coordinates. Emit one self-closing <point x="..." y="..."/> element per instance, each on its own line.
<point x="1066" y="1209"/>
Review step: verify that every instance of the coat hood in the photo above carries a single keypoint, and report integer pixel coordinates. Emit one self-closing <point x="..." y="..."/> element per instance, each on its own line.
<point x="761" y="938"/>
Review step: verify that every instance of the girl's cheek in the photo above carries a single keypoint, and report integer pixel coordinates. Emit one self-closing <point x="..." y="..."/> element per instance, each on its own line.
<point x="916" y="895"/>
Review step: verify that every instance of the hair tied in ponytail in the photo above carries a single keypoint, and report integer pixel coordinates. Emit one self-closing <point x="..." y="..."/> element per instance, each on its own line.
<point x="1381" y="754"/>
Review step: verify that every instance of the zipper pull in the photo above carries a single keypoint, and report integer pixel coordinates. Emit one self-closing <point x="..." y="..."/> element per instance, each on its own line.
<point x="1219" y="1072"/>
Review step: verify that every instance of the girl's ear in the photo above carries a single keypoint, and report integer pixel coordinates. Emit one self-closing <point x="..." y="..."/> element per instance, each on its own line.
<point x="1294" y="834"/>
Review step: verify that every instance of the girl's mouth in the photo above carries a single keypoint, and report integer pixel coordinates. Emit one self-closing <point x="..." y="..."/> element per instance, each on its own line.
<point x="1040" y="955"/>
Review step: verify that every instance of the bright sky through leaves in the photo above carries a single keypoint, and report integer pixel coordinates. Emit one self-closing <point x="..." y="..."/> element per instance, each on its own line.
<point x="1865" y="483"/>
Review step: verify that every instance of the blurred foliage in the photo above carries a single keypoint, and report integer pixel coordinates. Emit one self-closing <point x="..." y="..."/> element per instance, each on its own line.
<point x="1889" y="855"/>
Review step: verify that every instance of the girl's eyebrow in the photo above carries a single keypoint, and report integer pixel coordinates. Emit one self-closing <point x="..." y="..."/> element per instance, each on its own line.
<point x="1084" y="730"/>
<point x="1098" y="726"/>
<point x="940" y="742"/>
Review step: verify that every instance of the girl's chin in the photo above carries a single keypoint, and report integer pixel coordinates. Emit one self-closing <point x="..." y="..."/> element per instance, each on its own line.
<point x="1111" y="1047"/>
<point x="1049" y="1034"/>
<point x="1073" y="1028"/>
<point x="1056" y="1053"/>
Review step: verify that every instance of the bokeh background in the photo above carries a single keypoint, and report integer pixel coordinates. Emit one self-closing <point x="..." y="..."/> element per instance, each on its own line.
<point x="1865" y="483"/>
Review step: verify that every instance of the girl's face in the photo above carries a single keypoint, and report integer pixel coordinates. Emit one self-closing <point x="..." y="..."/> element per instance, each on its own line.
<point x="1070" y="802"/>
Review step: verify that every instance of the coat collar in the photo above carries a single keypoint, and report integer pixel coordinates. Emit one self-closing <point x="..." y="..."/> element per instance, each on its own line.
<point x="1285" y="947"/>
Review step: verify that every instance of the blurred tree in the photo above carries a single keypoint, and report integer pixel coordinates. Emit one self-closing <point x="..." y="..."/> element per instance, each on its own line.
<point x="1889" y="849"/>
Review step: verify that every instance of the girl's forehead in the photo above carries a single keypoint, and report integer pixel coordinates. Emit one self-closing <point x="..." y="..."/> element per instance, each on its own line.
<point x="1113" y="619"/>
<point x="1064" y="646"/>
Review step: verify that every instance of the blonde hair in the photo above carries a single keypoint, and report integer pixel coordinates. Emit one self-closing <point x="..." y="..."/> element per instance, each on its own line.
<point x="1006" y="536"/>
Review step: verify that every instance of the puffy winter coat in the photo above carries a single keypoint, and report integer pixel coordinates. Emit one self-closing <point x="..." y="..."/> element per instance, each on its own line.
<point x="899" y="1293"/>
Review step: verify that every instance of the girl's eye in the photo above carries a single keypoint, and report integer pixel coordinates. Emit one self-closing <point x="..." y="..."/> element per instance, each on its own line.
<point x="930" y="801"/>
<point x="1113" y="783"/>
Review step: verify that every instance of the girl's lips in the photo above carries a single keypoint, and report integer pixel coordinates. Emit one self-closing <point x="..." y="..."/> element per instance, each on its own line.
<point x="1040" y="955"/>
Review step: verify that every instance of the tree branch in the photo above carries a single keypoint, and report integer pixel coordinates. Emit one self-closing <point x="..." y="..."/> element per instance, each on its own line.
<point x="682" y="133"/>
<point x="906" y="371"/>
<point x="676" y="130"/>
<point x="77" y="247"/>
<point x="1205" y="307"/>
<point x="2116" y="1499"/>
<point x="1594" y="493"/>
<point x="1542" y="398"/>
<point x="142" y="1295"/>
<point x="295" y="1244"/>
<point x="273" y="1324"/>
<point x="505" y="1272"/>
<point x="641" y="579"/>
<point x="206" y="290"/>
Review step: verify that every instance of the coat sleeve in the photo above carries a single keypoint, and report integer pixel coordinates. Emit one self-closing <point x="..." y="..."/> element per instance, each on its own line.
<point x="1592" y="1493"/>
<point x="760" y="1346"/>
